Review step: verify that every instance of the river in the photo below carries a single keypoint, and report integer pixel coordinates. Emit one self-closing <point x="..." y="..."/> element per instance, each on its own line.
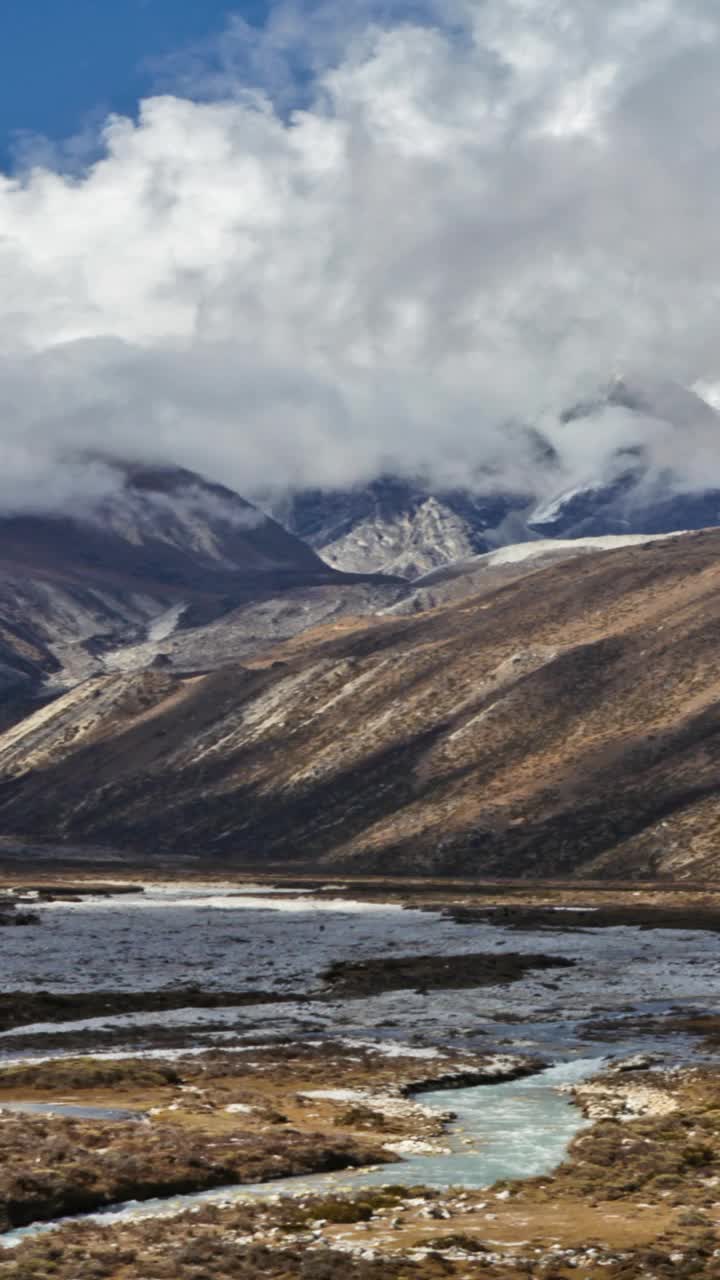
<point x="230" y="939"/>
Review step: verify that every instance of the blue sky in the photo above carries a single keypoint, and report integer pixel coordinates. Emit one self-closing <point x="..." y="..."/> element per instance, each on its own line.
<point x="63" y="62"/>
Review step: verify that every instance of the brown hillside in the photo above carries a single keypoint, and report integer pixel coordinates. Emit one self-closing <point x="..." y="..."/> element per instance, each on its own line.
<point x="566" y="722"/>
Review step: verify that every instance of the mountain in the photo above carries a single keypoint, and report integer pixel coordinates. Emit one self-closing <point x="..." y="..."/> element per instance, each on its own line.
<point x="256" y="626"/>
<point x="165" y="551"/>
<point x="642" y="496"/>
<point x="567" y="723"/>
<point x="627" y="505"/>
<point x="163" y="527"/>
<point x="397" y="526"/>
<point x="394" y="526"/>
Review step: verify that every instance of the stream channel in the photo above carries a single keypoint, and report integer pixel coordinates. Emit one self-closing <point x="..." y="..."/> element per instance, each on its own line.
<point x="513" y="1130"/>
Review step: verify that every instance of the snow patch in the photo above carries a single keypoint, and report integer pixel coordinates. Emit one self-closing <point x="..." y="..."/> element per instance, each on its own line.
<point x="515" y="553"/>
<point x="164" y="625"/>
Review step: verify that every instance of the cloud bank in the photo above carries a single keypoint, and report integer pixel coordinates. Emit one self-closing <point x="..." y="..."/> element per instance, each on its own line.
<point x="375" y="237"/>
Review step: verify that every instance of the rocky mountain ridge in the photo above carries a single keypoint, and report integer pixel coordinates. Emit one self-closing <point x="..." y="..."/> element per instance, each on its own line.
<point x="404" y="526"/>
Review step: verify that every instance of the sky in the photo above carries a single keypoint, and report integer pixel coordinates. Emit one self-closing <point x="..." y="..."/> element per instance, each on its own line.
<point x="304" y="242"/>
<point x="64" y="64"/>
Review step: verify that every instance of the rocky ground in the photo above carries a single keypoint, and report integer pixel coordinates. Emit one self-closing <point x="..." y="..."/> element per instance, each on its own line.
<point x="638" y="1198"/>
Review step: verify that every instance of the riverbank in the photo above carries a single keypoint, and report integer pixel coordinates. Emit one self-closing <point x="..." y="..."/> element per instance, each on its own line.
<point x="214" y="1120"/>
<point x="661" y="903"/>
<point x="637" y="1197"/>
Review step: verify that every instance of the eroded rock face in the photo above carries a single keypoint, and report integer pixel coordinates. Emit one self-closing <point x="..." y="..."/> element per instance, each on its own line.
<point x="395" y="526"/>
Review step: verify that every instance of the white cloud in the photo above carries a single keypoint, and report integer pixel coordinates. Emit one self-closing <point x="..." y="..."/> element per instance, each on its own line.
<point x="468" y="222"/>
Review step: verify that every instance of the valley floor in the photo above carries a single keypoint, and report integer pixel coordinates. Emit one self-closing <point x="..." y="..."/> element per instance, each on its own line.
<point x="196" y="1089"/>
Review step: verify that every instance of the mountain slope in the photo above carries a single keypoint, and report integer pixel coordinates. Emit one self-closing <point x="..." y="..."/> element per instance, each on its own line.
<point x="565" y="723"/>
<point x="162" y="528"/>
<point x="486" y="573"/>
<point x="164" y="551"/>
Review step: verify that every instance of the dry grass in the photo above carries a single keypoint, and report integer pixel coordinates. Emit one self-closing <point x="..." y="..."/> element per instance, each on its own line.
<point x="53" y="1167"/>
